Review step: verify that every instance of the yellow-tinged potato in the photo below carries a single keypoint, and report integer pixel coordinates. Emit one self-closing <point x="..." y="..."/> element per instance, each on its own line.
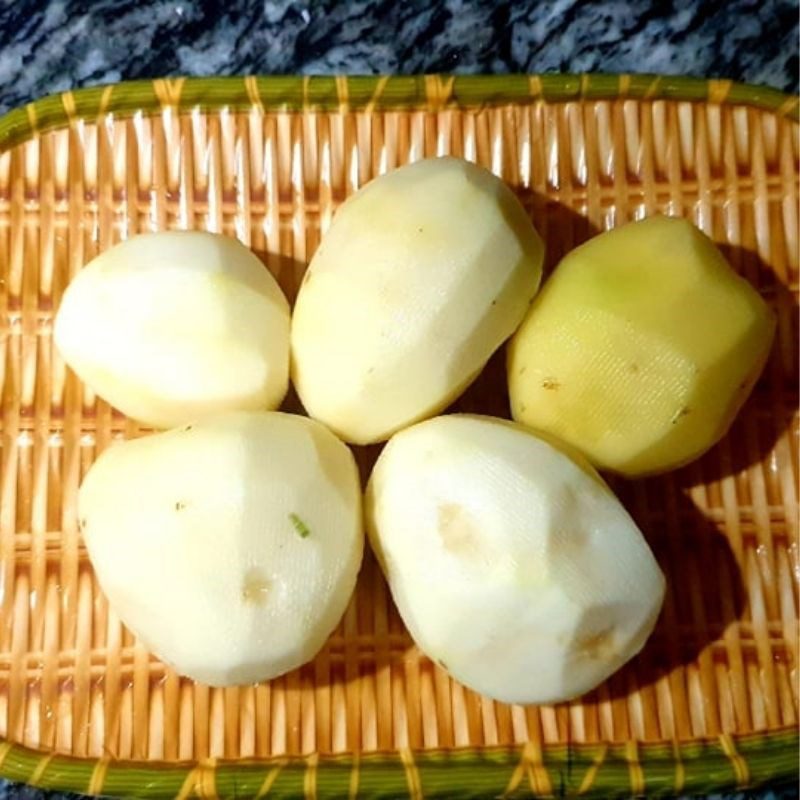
<point x="512" y="564"/>
<point x="641" y="348"/>
<point x="421" y="277"/>
<point x="170" y="326"/>
<point x="230" y="546"/>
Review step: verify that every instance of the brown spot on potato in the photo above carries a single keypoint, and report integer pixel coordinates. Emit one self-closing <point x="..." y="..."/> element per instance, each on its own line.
<point x="522" y="370"/>
<point x="458" y="531"/>
<point x="551" y="384"/>
<point x="569" y="543"/>
<point x="255" y="588"/>
<point x="598" y="646"/>
<point x="633" y="368"/>
<point x="179" y="505"/>
<point x="82" y="524"/>
<point x="680" y="413"/>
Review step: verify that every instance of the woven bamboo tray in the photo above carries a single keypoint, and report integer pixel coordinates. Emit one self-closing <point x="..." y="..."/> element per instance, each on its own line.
<point x="712" y="702"/>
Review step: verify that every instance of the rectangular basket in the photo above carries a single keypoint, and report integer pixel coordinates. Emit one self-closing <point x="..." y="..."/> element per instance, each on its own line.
<point x="711" y="703"/>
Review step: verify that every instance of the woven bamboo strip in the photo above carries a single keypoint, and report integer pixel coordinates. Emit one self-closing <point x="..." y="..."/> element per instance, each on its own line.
<point x="723" y="659"/>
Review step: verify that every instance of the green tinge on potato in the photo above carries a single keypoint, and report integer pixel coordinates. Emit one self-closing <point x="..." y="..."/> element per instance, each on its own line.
<point x="641" y="348"/>
<point x="421" y="277"/>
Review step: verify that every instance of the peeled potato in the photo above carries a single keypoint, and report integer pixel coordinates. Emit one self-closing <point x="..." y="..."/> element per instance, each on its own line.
<point x="511" y="564"/>
<point x="641" y="348"/>
<point x="421" y="277"/>
<point x="170" y="326"/>
<point x="230" y="546"/>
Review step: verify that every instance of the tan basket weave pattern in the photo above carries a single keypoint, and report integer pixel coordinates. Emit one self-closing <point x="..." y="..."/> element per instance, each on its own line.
<point x="724" y="655"/>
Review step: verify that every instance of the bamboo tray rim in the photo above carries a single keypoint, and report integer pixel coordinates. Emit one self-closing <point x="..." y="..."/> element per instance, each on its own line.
<point x="375" y="92"/>
<point x="727" y="762"/>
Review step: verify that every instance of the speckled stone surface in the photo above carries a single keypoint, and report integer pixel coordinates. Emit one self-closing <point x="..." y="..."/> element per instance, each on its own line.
<point x="47" y="46"/>
<point x="50" y="45"/>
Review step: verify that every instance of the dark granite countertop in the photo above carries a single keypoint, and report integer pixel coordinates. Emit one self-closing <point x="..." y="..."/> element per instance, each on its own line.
<point x="47" y="46"/>
<point x="50" y="45"/>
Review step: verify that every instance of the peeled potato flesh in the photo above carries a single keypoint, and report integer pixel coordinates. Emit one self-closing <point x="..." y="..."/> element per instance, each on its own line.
<point x="641" y="348"/>
<point x="512" y="565"/>
<point x="174" y="325"/>
<point x="420" y="278"/>
<point x="230" y="546"/>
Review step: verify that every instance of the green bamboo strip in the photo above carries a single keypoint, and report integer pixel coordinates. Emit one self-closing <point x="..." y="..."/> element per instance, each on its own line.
<point x="324" y="93"/>
<point x="57" y="772"/>
<point x="708" y="766"/>
<point x="478" y="775"/>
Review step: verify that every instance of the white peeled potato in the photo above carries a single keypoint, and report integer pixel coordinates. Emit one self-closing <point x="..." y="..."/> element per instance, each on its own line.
<point x="420" y="278"/>
<point x="230" y="546"/>
<point x="174" y="325"/>
<point x="512" y="565"/>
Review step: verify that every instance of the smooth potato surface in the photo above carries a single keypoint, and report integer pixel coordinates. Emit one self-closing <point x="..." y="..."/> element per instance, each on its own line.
<point x="171" y="326"/>
<point x="230" y="546"/>
<point x="420" y="278"/>
<point x="641" y="348"/>
<point x="512" y="565"/>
